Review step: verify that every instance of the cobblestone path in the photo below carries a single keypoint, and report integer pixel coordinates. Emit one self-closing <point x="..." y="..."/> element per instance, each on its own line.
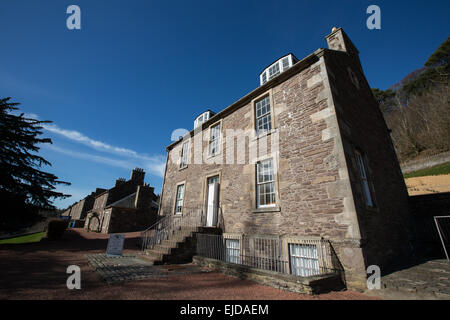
<point x="130" y="268"/>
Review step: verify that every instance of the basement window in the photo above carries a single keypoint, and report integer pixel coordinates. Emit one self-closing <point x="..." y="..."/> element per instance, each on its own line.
<point x="233" y="250"/>
<point x="304" y="259"/>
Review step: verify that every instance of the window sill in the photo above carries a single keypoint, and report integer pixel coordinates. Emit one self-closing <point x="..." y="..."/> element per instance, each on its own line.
<point x="211" y="156"/>
<point x="266" y="209"/>
<point x="372" y="209"/>
<point x="185" y="167"/>
<point x="263" y="134"/>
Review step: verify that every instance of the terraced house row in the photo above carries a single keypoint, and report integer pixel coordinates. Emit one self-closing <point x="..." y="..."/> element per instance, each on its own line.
<point x="131" y="205"/>
<point x="300" y="172"/>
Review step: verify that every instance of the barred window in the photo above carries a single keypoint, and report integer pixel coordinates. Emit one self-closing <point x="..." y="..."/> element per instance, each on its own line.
<point x="214" y="140"/>
<point x="233" y="250"/>
<point x="184" y="155"/>
<point x="265" y="189"/>
<point x="263" y="117"/>
<point x="304" y="259"/>
<point x="179" y="199"/>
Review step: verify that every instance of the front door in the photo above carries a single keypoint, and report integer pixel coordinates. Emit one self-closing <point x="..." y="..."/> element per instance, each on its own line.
<point x="212" y="201"/>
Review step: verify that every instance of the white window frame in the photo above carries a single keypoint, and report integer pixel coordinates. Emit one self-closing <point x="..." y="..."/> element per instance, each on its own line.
<point x="184" y="156"/>
<point x="304" y="259"/>
<point x="275" y="73"/>
<point x="177" y="199"/>
<point x="362" y="166"/>
<point x="265" y="75"/>
<point x="215" y="140"/>
<point x="268" y="115"/>
<point x="204" y="117"/>
<point x="261" y="183"/>
<point x="233" y="252"/>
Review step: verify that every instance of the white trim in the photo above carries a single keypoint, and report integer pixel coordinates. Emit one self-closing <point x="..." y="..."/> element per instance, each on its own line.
<point x="279" y="62"/>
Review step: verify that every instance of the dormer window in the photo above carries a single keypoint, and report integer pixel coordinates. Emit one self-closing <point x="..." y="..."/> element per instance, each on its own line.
<point x="274" y="71"/>
<point x="205" y="116"/>
<point x="286" y="64"/>
<point x="264" y="78"/>
<point x="277" y="67"/>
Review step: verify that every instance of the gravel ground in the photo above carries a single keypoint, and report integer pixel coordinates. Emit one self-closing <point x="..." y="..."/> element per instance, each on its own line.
<point x="38" y="271"/>
<point x="428" y="184"/>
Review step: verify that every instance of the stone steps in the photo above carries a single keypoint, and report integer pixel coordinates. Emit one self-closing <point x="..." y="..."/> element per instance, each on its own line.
<point x="162" y="251"/>
<point x="178" y="248"/>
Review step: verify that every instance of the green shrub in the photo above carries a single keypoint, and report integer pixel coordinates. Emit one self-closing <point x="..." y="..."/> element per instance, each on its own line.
<point x="56" y="228"/>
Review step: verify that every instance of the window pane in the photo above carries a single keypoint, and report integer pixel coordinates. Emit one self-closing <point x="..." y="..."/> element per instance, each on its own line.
<point x="365" y="183"/>
<point x="179" y="199"/>
<point x="184" y="154"/>
<point x="262" y="112"/>
<point x="214" y="141"/>
<point x="304" y="259"/>
<point x="265" y="191"/>
<point x="285" y="63"/>
<point x="232" y="250"/>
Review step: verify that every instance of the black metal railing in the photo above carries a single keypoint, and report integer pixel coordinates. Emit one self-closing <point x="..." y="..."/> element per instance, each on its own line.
<point x="168" y="225"/>
<point x="314" y="256"/>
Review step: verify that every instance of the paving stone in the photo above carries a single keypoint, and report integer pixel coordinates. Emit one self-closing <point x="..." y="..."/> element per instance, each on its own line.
<point x="429" y="278"/>
<point x="129" y="268"/>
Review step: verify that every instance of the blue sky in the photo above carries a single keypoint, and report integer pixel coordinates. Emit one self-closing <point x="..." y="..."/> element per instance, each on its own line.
<point x="137" y="70"/>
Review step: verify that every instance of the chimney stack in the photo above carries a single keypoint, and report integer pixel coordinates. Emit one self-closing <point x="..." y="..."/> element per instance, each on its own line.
<point x="338" y="40"/>
<point x="138" y="175"/>
<point x="119" y="181"/>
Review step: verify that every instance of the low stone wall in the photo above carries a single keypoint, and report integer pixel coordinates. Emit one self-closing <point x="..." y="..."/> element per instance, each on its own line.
<point x="424" y="163"/>
<point x="304" y="285"/>
<point x="129" y="220"/>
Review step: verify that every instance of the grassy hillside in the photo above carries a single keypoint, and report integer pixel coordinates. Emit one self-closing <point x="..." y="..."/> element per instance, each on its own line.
<point x="432" y="171"/>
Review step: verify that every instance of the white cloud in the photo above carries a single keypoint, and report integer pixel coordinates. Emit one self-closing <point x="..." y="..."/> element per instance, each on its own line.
<point x="91" y="157"/>
<point x="98" y="145"/>
<point x="126" y="158"/>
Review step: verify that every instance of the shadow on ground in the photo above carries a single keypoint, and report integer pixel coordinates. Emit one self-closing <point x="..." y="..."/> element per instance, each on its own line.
<point x="38" y="271"/>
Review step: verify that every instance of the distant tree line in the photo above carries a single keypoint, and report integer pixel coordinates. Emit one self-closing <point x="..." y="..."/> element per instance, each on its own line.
<point x="418" y="109"/>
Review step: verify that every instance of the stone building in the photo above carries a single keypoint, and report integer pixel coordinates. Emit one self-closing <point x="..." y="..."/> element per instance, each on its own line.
<point x="76" y="213"/>
<point x="306" y="155"/>
<point x="128" y="206"/>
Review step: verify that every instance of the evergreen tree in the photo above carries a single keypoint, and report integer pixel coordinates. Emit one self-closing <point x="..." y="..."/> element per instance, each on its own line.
<point x="24" y="188"/>
<point x="436" y="73"/>
<point x="385" y="99"/>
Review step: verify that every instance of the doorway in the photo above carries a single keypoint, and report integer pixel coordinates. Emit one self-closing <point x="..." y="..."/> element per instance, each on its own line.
<point x="212" y="201"/>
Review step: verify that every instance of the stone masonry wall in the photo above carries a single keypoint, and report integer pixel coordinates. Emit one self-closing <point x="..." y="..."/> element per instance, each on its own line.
<point x="128" y="220"/>
<point x="384" y="229"/>
<point x="78" y="210"/>
<point x="314" y="197"/>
